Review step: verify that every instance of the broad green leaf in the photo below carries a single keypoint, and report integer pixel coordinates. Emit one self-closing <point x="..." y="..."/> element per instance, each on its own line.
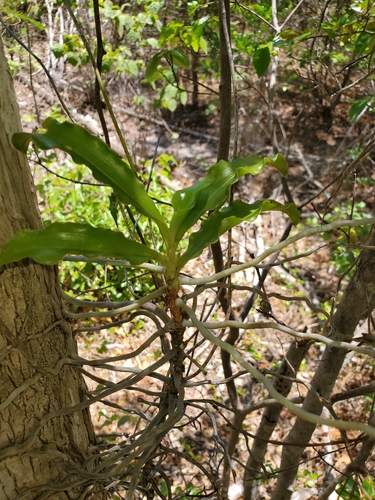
<point x="183" y="98"/>
<point x="196" y="34"/>
<point x="106" y="166"/>
<point x="72" y="58"/>
<point x="172" y="105"/>
<point x="57" y="50"/>
<point x="133" y="67"/>
<point x="364" y="43"/>
<point x="50" y="245"/>
<point x="169" y="92"/>
<point x="261" y="61"/>
<point x="178" y="58"/>
<point x="219" y="223"/>
<point x="212" y="192"/>
<point x="357" y="107"/>
<point x="152" y="66"/>
<point x="348" y="490"/>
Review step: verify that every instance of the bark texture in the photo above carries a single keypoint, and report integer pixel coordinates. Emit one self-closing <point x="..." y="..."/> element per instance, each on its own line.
<point x="36" y="447"/>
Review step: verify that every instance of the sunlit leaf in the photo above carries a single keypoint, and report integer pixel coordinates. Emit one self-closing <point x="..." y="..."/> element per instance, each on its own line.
<point x="348" y="490"/>
<point x="212" y="192"/>
<point x="219" y="223"/>
<point x="107" y="167"/>
<point x="50" y="245"/>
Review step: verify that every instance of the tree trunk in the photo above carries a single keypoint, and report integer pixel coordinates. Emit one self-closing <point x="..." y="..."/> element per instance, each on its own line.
<point x="41" y="441"/>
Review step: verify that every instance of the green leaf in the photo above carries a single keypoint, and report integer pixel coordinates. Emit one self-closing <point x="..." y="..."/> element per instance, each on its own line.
<point x="183" y="98"/>
<point x="219" y="223"/>
<point x="212" y="192"/>
<point x="133" y="67"/>
<point x="106" y="65"/>
<point x="152" y="66"/>
<point x="28" y="19"/>
<point x="123" y="420"/>
<point x="357" y="107"/>
<point x="72" y="58"/>
<point x="364" y="44"/>
<point x="349" y="490"/>
<point x="304" y="35"/>
<point x="170" y="32"/>
<point x="178" y="58"/>
<point x="172" y="105"/>
<point x="57" y="50"/>
<point x="106" y="166"/>
<point x="287" y="34"/>
<point x="50" y="245"/>
<point x="369" y="486"/>
<point x="261" y="61"/>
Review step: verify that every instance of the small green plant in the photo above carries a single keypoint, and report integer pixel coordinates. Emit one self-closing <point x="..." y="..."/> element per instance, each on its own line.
<point x="189" y="206"/>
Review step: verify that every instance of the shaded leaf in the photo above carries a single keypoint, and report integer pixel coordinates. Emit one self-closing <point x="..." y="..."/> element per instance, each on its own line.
<point x="178" y="58"/>
<point x="50" y="245"/>
<point x="72" y="58"/>
<point x="57" y="50"/>
<point x="106" y="166"/>
<point x="357" y="107"/>
<point x="261" y="61"/>
<point x="212" y="192"/>
<point x="364" y="43"/>
<point x="153" y="65"/>
<point x="219" y="223"/>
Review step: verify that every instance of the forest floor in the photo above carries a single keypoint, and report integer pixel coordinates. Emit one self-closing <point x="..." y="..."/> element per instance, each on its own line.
<point x="316" y="142"/>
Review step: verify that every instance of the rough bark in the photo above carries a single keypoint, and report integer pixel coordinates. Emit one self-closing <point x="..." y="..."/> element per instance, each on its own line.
<point x="357" y="303"/>
<point x="34" y="458"/>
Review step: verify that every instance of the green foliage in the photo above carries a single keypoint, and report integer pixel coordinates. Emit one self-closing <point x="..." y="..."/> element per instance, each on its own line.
<point x="172" y="92"/>
<point x="9" y="12"/>
<point x="343" y="255"/>
<point x="219" y="222"/>
<point x="106" y="166"/>
<point x="50" y="245"/>
<point x="261" y="60"/>
<point x="65" y="198"/>
<point x="349" y="490"/>
<point x="212" y="192"/>
<point x="359" y="106"/>
<point x="209" y="195"/>
<point x="133" y="23"/>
